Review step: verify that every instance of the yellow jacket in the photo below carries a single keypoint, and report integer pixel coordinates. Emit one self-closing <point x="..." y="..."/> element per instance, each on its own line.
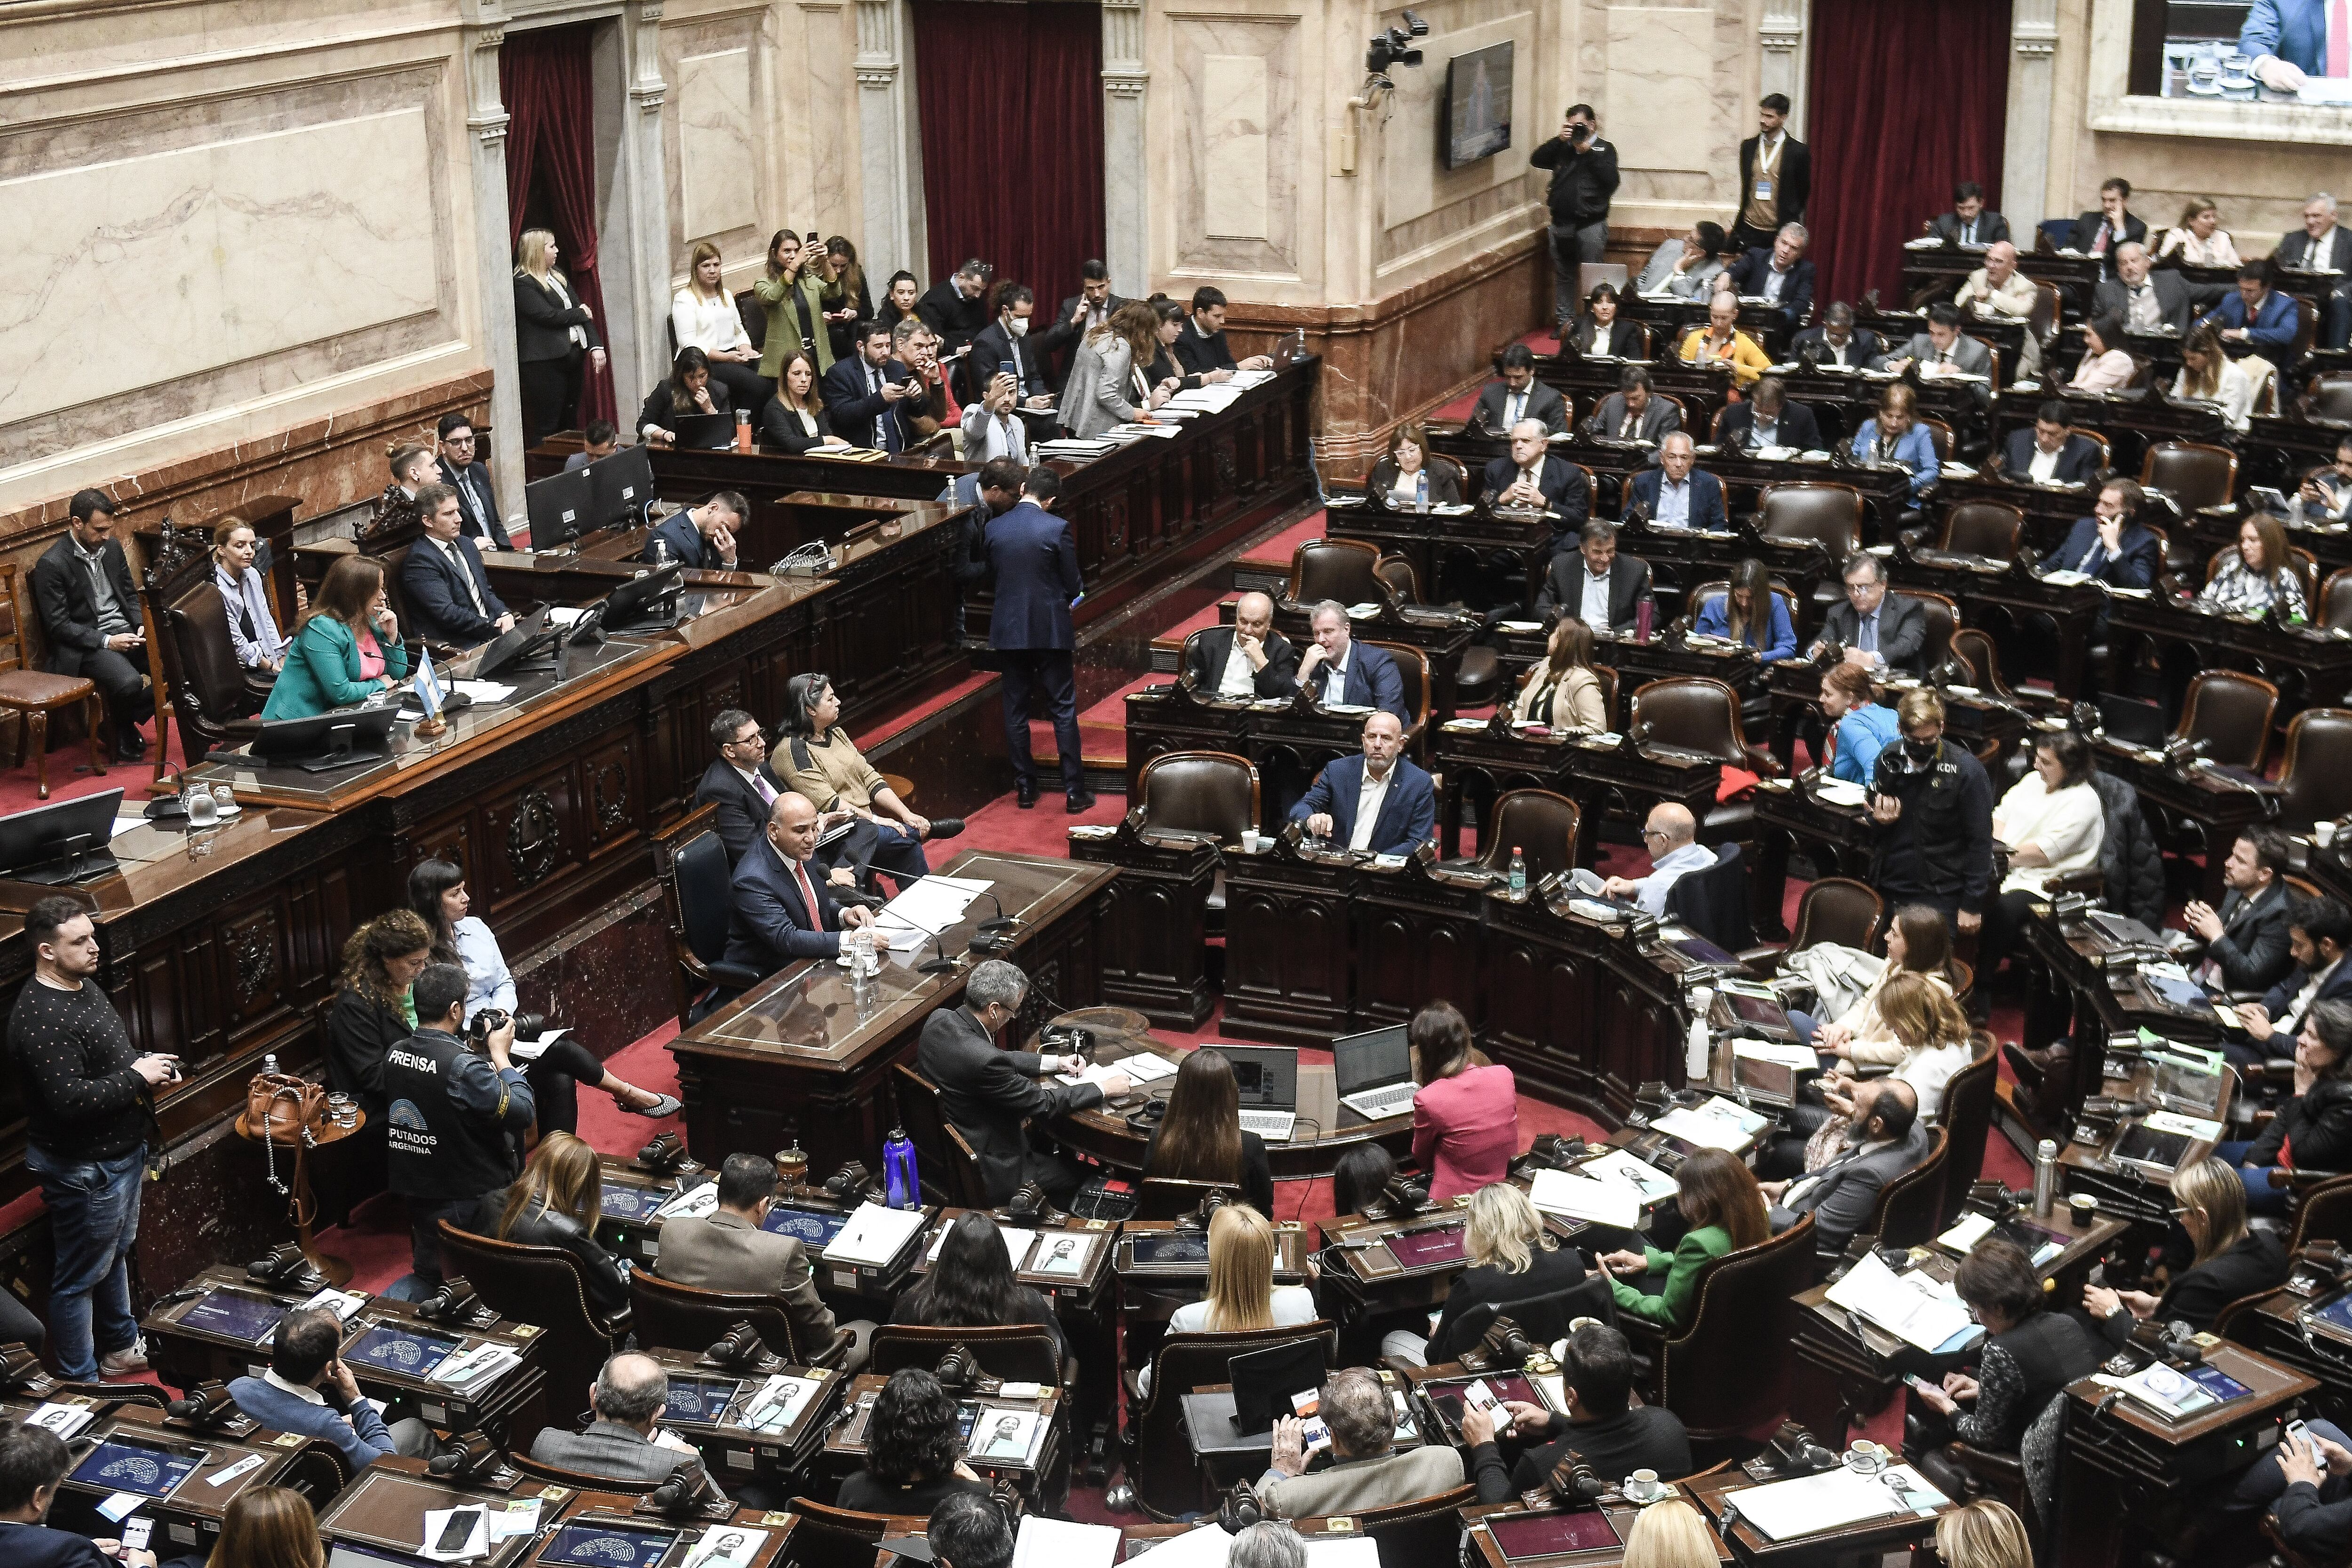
<point x="1747" y="360"/>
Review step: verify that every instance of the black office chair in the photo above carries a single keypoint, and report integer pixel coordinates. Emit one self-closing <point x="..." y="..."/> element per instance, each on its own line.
<point x="1543" y="1318"/>
<point x="1713" y="902"/>
<point x="696" y="887"/>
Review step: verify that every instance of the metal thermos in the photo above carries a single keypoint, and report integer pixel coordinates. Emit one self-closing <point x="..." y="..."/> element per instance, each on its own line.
<point x="2045" y="1177"/>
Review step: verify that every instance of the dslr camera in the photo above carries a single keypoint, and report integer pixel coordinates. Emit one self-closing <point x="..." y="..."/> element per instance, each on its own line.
<point x="490" y="1020"/>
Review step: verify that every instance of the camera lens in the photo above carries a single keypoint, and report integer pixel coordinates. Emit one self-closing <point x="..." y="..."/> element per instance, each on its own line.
<point x="530" y="1026"/>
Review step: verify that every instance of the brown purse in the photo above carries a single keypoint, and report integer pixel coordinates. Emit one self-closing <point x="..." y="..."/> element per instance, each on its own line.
<point x="281" y="1108"/>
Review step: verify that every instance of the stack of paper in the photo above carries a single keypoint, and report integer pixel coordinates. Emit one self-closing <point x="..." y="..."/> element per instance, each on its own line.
<point x="1208" y="399"/>
<point x="1145" y="1067"/>
<point x="1573" y="1197"/>
<point x="873" y="1235"/>
<point x="1246" y="378"/>
<point x="1835" y="1499"/>
<point x="1916" y="1308"/>
<point x="924" y="908"/>
<point x="1065" y="1544"/>
<point x="1715" y="1123"/>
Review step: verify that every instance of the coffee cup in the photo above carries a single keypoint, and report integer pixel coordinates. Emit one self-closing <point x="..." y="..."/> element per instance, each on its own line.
<point x="2325" y="832"/>
<point x="1249" y="840"/>
<point x="1641" y="1485"/>
<point x="2085" y="1207"/>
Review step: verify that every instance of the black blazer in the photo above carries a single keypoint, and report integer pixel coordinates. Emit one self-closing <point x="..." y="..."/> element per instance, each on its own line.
<point x="1544" y="403"/>
<point x="607" y="1281"/>
<point x="480" y="523"/>
<point x="956" y="319"/>
<point x="857" y="414"/>
<point x="768" y="922"/>
<point x="435" y="590"/>
<point x="991" y="351"/>
<point x="989" y="1095"/>
<point x="2197" y="1296"/>
<point x="2078" y="460"/>
<point x="70" y="610"/>
<point x="1547" y="1274"/>
<point x="2319" y="1125"/>
<point x="1279" y="677"/>
<point x="2295" y="249"/>
<point x="1258" y="1176"/>
<point x="1443" y="490"/>
<point x="1748" y="273"/>
<point x="1563" y="587"/>
<point x="1902" y="631"/>
<point x="1201" y="354"/>
<point x="1991" y="227"/>
<point x="1624" y="338"/>
<point x="2172" y="298"/>
<point x="359" y="1032"/>
<point x="1565" y="488"/>
<point x="658" y="410"/>
<point x="1812" y="346"/>
<point x="2086" y="231"/>
<point x="741" y="813"/>
<point x="1796" y="184"/>
<point x="778" y="429"/>
<point x="543" y="327"/>
<point x="1659" y="419"/>
<point x="1797" y="428"/>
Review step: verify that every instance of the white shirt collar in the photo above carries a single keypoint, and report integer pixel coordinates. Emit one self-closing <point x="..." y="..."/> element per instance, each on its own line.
<point x="311" y="1395"/>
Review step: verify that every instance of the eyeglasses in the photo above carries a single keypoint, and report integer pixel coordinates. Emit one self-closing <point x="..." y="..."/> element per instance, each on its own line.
<point x="748" y="738"/>
<point x="1656" y="833"/>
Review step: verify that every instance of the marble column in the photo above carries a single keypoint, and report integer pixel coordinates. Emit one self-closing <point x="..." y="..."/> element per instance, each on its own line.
<point x="2033" y="88"/>
<point x="636" y="276"/>
<point x="1782" y="41"/>
<point x="485" y="132"/>
<point x="885" y="137"/>
<point x="1127" y="230"/>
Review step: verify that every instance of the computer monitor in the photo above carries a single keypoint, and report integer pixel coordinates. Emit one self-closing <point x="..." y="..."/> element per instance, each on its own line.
<point x="1373" y="1059"/>
<point x="62" y="842"/>
<point x="529" y="637"/>
<point x="642" y="600"/>
<point x="560" y="507"/>
<point x="1268" y="1075"/>
<point x="336" y="739"/>
<point x="704" y="432"/>
<point x="620" y="487"/>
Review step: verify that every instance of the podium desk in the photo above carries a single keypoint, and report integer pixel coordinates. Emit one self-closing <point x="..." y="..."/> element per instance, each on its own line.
<point x="1865" y="1541"/>
<point x="749" y="1427"/>
<point x="1021" y="1437"/>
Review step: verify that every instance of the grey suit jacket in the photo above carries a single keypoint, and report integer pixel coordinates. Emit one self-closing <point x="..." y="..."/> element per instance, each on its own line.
<point x="1352" y="1487"/>
<point x="1098" y="393"/>
<point x="727" y="1252"/>
<point x="988" y="1094"/>
<point x="2172" y="298"/>
<point x="615" y="1453"/>
<point x="1841" y="1195"/>
<point x="1659" y="418"/>
<point x="1968" y="354"/>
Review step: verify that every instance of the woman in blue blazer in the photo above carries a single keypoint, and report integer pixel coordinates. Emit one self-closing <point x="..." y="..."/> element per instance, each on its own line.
<point x="348" y="648"/>
<point x="1751" y="613"/>
<point x="1897" y="437"/>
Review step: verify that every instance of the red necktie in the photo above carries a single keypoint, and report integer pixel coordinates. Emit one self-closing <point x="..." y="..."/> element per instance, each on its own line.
<point x="808" y="894"/>
<point x="2337" y="31"/>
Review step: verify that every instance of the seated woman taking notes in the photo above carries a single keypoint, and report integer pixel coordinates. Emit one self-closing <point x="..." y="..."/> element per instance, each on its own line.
<point x="348" y="648"/>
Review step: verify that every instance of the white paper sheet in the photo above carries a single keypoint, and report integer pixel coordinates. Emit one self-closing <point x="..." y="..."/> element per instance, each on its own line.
<point x="1717" y="1123"/>
<point x="1913" y="1308"/>
<point x="1065" y="1544"/>
<point x="1342" y="1552"/>
<point x="873" y="1235"/>
<point x="1145" y="1067"/>
<point x="532" y="1050"/>
<point x="483" y="691"/>
<point x="1800" y="1057"/>
<point x="1812" y="1504"/>
<point x="1207" y="1547"/>
<point x="1617" y="1165"/>
<point x="1016" y="1243"/>
<point x="1577" y="1197"/>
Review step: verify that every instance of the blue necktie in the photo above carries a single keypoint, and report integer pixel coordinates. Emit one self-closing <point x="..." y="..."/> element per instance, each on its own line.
<point x="1868" y="641"/>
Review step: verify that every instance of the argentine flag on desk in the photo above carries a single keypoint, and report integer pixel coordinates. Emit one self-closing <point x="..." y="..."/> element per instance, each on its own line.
<point x="429" y="693"/>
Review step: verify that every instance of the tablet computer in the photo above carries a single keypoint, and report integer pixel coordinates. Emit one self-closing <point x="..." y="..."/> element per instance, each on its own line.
<point x="120" y="1465"/>
<point x="2143" y="1145"/>
<point x="1171" y="1249"/>
<point x="1428" y="1245"/>
<point x="1520" y="1536"/>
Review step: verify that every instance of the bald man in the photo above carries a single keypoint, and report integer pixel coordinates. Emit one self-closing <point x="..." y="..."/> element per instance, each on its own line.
<point x="780" y="910"/>
<point x="1248" y="658"/>
<point x="1671" y="836"/>
<point x="1997" y="291"/>
<point x="1378" y="801"/>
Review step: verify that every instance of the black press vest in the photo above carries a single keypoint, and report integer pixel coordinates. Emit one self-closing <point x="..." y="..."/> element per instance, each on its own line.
<point x="435" y="1148"/>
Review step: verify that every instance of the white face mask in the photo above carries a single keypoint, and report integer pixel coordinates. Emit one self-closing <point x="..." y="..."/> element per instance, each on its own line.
<point x="1017" y="325"/>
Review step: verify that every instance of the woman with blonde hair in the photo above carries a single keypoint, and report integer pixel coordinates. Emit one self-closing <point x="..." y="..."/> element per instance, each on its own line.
<point x="1918" y="939"/>
<point x="252" y="625"/>
<point x="1562" y="692"/>
<point x="555" y="339"/>
<point x="2208" y="374"/>
<point x="1670" y="1534"/>
<point x="1242" y="1292"/>
<point x="1104" y="388"/>
<point x="794" y="421"/>
<point x="2230" y="1259"/>
<point x="348" y="647"/>
<point x="268" y="1527"/>
<point x="1513" y="1258"/>
<point x="2198" y="238"/>
<point x="1982" y="1534"/>
<point x="557" y="1203"/>
<point x="703" y="316"/>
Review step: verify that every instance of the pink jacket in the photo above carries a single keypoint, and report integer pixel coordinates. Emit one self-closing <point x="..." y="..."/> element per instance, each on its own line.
<point x="1466" y="1129"/>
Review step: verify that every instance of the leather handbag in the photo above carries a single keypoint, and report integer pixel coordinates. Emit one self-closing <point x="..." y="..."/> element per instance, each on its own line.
<point x="281" y="1109"/>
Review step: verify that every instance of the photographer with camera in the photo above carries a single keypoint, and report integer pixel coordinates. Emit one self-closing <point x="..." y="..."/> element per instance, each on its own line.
<point x="90" y="1112"/>
<point x="457" y="1111"/>
<point x="1583" y="179"/>
<point x="436" y="892"/>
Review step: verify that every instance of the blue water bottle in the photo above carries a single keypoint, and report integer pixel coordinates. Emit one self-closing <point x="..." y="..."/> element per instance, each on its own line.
<point x="902" y="1183"/>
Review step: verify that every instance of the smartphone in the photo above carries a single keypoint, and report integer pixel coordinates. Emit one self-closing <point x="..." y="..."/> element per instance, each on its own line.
<point x="1922" y="1384"/>
<point x="458" y="1529"/>
<point x="811" y="238"/>
<point x="136" y="1532"/>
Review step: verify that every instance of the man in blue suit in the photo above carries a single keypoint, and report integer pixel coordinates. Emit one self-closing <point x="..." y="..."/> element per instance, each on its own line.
<point x="2258" y="315"/>
<point x="2288" y="41"/>
<point x="701" y="536"/>
<point x="1780" y="274"/>
<point x="307" y="1389"/>
<point x="860" y="394"/>
<point x="1035" y="561"/>
<point x="1378" y="801"/>
<point x="449" y="595"/>
<point x="2318" y="932"/>
<point x="781" y="912"/>
<point x="1338" y="672"/>
<point x="2112" y="544"/>
<point x="33" y="1462"/>
<point x="1677" y="493"/>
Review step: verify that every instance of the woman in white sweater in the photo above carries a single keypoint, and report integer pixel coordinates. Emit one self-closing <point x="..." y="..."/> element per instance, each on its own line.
<point x="2053" y="823"/>
<point x="1918" y="941"/>
<point x="704" y="316"/>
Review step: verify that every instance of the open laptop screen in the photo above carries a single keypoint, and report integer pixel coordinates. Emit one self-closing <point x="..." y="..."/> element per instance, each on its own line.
<point x="1268" y="1075"/>
<point x="1374" y="1059"/>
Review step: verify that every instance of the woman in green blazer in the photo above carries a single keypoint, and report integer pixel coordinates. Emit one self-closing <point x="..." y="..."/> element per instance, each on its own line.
<point x="348" y="648"/>
<point x="795" y="281"/>
<point x="1725" y="1209"/>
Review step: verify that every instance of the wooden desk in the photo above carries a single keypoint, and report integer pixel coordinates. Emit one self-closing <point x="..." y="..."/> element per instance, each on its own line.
<point x="2071" y="994"/>
<point x="1482" y="760"/>
<point x="2216" y="807"/>
<point x="2124" y="1189"/>
<point x="2281" y="447"/>
<point x="1865" y="1542"/>
<point x="1838" y="839"/>
<point x="1363" y="1276"/>
<point x="739" y="1436"/>
<point x="384" y="1508"/>
<point x="1156" y="919"/>
<point x="1441" y="636"/>
<point x="2041" y="628"/>
<point x="2311" y="668"/>
<point x="1288" y="740"/>
<point x="805" y="1052"/>
<point x="1456" y="556"/>
<point x="1479" y="1520"/>
<point x="2131" y="421"/>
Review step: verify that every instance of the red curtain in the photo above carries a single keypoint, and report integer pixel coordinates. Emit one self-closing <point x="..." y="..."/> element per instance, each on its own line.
<point x="1906" y="100"/>
<point x="544" y="76"/>
<point x="1013" y="139"/>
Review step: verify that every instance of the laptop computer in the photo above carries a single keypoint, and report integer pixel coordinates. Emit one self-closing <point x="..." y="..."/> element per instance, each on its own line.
<point x="1268" y="1076"/>
<point x="1374" y="1072"/>
<point x="704" y="432"/>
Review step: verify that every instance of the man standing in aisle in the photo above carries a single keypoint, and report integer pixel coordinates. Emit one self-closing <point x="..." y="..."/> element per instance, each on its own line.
<point x="1583" y="179"/>
<point x="89" y="1113"/>
<point x="1776" y="176"/>
<point x="1034" y="558"/>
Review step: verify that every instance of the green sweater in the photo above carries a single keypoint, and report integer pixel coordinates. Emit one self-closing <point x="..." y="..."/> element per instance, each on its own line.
<point x="323" y="671"/>
<point x="1699" y="1248"/>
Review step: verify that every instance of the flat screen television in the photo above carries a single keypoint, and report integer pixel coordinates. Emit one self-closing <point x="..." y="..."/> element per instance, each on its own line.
<point x="1477" y="105"/>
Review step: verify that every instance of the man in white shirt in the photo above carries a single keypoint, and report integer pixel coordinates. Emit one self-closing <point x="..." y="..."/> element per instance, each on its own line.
<point x="1340" y="672"/>
<point x="1248" y="658"/>
<point x="1998" y="290"/>
<point x="1676" y="457"/>
<point x="1670" y="835"/>
<point x="1379" y="801"/>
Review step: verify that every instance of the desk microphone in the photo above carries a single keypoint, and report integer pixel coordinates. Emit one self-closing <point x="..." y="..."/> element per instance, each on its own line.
<point x="941" y="964"/>
<point x="1002" y="923"/>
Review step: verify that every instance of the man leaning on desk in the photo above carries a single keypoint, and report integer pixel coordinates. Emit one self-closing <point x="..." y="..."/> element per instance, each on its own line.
<point x="780" y="909"/>
<point x="449" y="595"/>
<point x="1378" y="801"/>
<point x="701" y="537"/>
<point x="1518" y="396"/>
<point x="307" y="1389"/>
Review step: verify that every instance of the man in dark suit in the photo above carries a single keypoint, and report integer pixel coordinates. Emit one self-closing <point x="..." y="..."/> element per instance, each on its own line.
<point x="1341" y="671"/>
<point x="2319" y="934"/>
<point x="2149" y="298"/>
<point x="1880" y="630"/>
<point x="1036" y="561"/>
<point x="1837" y="343"/>
<point x="2100" y="233"/>
<point x="1780" y="273"/>
<point x="1633" y="412"/>
<point x="2258" y="315"/>
<point x="625" y="1442"/>
<point x="2324" y="246"/>
<point x="1202" y="349"/>
<point x="2112" y="544"/>
<point x="1248" y="658"/>
<point x="989" y="1093"/>
<point x="738" y="782"/>
<point x="470" y="477"/>
<point x="1677" y="493"/>
<point x="1594" y="582"/>
<point x="1969" y="223"/>
<point x="859" y="392"/>
<point x="1378" y="801"/>
<point x="700" y="537"/>
<point x="2287" y="41"/>
<point x="2245" y="940"/>
<point x="1004" y="346"/>
<point x="1885" y="1139"/>
<point x="89" y="610"/>
<point x="449" y="595"/>
<point x="1531" y="476"/>
<point x="957" y="309"/>
<point x="1518" y="396"/>
<point x="1081" y="313"/>
<point x="780" y="911"/>
<point x="33" y="1463"/>
<point x="729" y="1251"/>
<point x="1776" y="176"/>
<point x="2050" y="453"/>
<point x="1770" y="419"/>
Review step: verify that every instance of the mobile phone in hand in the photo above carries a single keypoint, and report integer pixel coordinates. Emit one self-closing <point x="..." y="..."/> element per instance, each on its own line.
<point x="136" y="1532"/>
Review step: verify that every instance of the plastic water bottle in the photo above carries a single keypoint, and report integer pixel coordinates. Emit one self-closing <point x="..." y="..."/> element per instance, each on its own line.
<point x="1420" y="486"/>
<point x="661" y="552"/>
<point x="1697" y="1051"/>
<point x="902" y="1183"/>
<point x="2045" y="1177"/>
<point x="269" y="1065"/>
<point x="1518" y="874"/>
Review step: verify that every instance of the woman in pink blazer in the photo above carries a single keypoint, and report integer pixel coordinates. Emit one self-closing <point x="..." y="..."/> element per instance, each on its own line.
<point x="1465" y="1120"/>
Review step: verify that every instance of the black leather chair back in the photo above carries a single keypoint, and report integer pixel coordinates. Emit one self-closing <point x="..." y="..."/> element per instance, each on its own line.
<point x="1829" y="515"/>
<point x="1201" y="792"/>
<point x="1838" y="909"/>
<point x="1420" y="1533"/>
<point x="1541" y="825"/>
<point x="1943" y="622"/>
<point x="1412" y="669"/>
<point x="670" y="1316"/>
<point x="1983" y="528"/>
<point x="824" y="1536"/>
<point x="705" y="895"/>
<point x="1727" y="1374"/>
<point x="1543" y="1318"/>
<point x="2232" y="714"/>
<point x="1713" y="902"/>
<point x="1692" y="713"/>
<point x="1909" y="1206"/>
<point x="1017" y="1352"/>
<point x="2318" y="774"/>
<point x="1167" y="1480"/>
<point x="539" y="1285"/>
<point x="1966" y="1119"/>
<point x="1169" y="1197"/>
<point x="2194" y="475"/>
<point x="1339" y="568"/>
<point x="2336" y="598"/>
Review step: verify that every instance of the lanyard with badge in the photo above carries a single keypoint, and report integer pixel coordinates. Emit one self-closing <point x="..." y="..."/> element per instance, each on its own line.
<point x="1768" y="166"/>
